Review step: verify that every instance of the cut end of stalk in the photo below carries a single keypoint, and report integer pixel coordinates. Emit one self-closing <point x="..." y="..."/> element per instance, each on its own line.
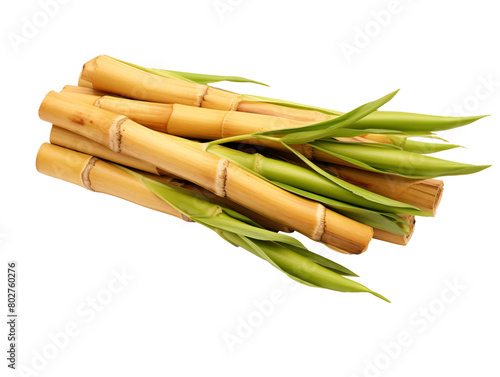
<point x="437" y="197"/>
<point x="87" y="74"/>
<point x="398" y="239"/>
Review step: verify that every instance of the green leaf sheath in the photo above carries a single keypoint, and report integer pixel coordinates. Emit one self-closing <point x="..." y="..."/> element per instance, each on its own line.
<point x="403" y="163"/>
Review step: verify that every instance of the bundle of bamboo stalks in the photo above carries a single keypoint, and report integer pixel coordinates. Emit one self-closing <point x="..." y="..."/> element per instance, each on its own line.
<point x="154" y="137"/>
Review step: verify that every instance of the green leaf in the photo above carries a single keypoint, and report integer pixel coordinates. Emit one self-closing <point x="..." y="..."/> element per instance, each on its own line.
<point x="198" y="78"/>
<point x="322" y="261"/>
<point x="283" y="252"/>
<point x="225" y="222"/>
<point x="205" y="79"/>
<point x="402" y="163"/>
<point x="388" y="120"/>
<point x="424" y="147"/>
<point x="309" y="133"/>
<point x="300" y="267"/>
<point x="402" y="121"/>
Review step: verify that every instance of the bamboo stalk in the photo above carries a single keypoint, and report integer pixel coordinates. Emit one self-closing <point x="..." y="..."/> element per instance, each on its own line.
<point x="96" y="175"/>
<point x="215" y="174"/>
<point x="61" y="137"/>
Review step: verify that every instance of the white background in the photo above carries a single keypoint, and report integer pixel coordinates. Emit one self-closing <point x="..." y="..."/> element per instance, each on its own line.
<point x="190" y="289"/>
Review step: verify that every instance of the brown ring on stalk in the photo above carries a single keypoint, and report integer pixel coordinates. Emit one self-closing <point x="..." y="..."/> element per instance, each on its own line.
<point x="86" y="173"/>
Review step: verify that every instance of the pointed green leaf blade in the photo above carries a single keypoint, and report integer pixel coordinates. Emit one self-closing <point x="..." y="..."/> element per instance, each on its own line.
<point x="205" y="79"/>
<point x="309" y="133"/>
<point x="403" y="163"/>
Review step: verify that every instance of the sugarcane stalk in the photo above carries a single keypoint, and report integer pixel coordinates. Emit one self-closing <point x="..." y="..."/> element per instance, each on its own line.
<point x="191" y="122"/>
<point x="424" y="194"/>
<point x="398" y="239"/>
<point x="93" y="174"/>
<point x="129" y="80"/>
<point x="64" y="138"/>
<point x="188" y="121"/>
<point x="61" y="137"/>
<point x="182" y="120"/>
<point x="283" y="252"/>
<point x="67" y="139"/>
<point x="110" y="75"/>
<point x="215" y="174"/>
<point x="385" y="221"/>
